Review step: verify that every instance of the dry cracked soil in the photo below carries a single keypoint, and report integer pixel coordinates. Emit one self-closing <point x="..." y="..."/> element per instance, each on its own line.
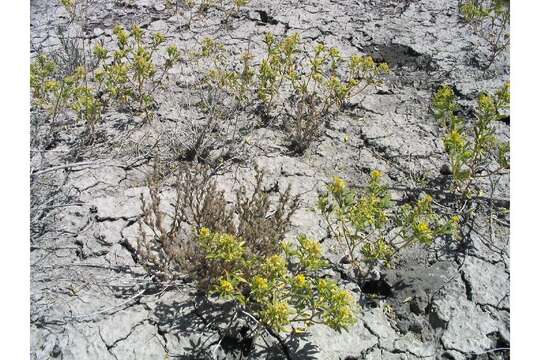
<point x="91" y="299"/>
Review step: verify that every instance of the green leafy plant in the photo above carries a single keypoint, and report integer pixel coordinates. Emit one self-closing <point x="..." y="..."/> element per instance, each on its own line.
<point x="285" y="291"/>
<point x="490" y="19"/>
<point x="130" y="72"/>
<point x="48" y="92"/>
<point x="56" y="93"/>
<point x="127" y="75"/>
<point x="304" y="90"/>
<point x="221" y="75"/>
<point x="370" y="228"/>
<point x="472" y="150"/>
<point x="317" y="76"/>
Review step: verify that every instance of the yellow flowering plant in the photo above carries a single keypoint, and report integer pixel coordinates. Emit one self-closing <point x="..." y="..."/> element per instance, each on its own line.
<point x="242" y="259"/>
<point x="50" y="91"/>
<point x="55" y="93"/>
<point x="473" y="149"/>
<point x="130" y="72"/>
<point x="361" y="222"/>
<point x="301" y="87"/>
<point x="283" y="291"/>
<point x="127" y="75"/>
<point x="420" y="224"/>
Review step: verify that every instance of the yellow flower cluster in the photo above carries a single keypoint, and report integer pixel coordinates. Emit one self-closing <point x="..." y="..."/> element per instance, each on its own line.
<point x="282" y="291"/>
<point x="338" y="185"/>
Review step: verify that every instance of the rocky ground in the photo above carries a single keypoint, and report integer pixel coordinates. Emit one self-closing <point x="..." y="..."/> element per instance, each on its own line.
<point x="90" y="299"/>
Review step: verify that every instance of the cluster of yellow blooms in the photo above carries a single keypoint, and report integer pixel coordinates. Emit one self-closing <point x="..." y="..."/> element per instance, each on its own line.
<point x="285" y="291"/>
<point x="360" y="221"/>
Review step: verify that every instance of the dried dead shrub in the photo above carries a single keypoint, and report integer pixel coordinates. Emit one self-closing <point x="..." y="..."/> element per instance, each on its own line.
<point x="167" y="245"/>
<point x="198" y="202"/>
<point x="245" y="261"/>
<point x="211" y="133"/>
<point x="258" y="225"/>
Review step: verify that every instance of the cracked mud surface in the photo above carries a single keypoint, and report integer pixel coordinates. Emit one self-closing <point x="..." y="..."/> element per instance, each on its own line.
<point x="91" y="300"/>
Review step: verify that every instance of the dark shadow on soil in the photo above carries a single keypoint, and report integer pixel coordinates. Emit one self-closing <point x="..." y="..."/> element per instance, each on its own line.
<point x="211" y="330"/>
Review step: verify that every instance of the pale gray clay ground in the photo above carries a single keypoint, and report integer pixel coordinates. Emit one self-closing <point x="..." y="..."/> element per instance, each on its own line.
<point x="90" y="299"/>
